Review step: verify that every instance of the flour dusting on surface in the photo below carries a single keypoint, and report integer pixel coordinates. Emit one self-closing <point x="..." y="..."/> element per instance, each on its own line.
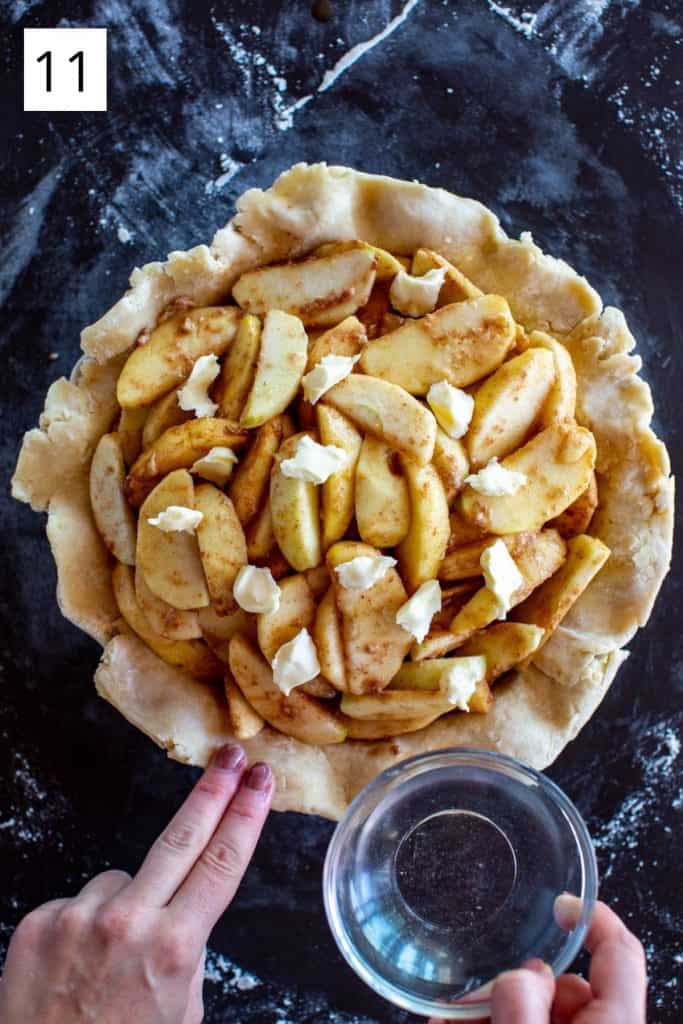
<point x="357" y="51"/>
<point x="657" y="756"/>
<point x="229" y="169"/>
<point x="21" y="238"/>
<point x="524" y="23"/>
<point x="654" y="805"/>
<point x="31" y="816"/>
<point x="221" y="971"/>
<point x="259" y="73"/>
<point x="577" y="36"/>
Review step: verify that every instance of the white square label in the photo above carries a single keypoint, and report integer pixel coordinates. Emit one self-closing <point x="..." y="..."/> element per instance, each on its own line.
<point x="65" y="69"/>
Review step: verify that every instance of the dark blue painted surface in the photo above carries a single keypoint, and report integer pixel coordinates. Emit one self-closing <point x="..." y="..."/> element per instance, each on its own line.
<point x="561" y="117"/>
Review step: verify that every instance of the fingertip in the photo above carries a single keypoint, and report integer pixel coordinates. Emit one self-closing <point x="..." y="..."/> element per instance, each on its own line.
<point x="229" y="758"/>
<point x="260" y="778"/>
<point x="567" y="910"/>
<point x="538" y="966"/>
<point x="523" y="995"/>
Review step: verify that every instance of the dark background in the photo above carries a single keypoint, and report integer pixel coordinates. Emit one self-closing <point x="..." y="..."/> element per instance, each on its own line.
<point x="564" y="118"/>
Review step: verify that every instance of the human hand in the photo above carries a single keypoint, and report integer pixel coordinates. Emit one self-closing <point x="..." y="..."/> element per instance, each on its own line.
<point x="132" y="949"/>
<point x="614" y="993"/>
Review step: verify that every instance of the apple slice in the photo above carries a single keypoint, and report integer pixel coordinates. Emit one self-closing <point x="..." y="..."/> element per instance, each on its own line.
<point x="163" y="618"/>
<point x="250" y="482"/>
<point x="171" y="351"/>
<point x="397" y="704"/>
<point x="328" y="641"/>
<point x="222" y="547"/>
<point x="295" y="612"/>
<point x="245" y="723"/>
<point x="508" y="404"/>
<point x="238" y="369"/>
<point x="374" y="645"/>
<point x="388" y="412"/>
<point x="164" y="414"/>
<point x="218" y="630"/>
<point x="280" y="367"/>
<point x="297" y="715"/>
<point x="320" y="290"/>
<point x="504" y="645"/>
<point x="261" y="541"/>
<point x="455" y="288"/>
<point x="537" y="559"/>
<point x="460" y="343"/>
<point x="129" y="428"/>
<point x="548" y="605"/>
<point x="577" y="517"/>
<point x="451" y="463"/>
<point x="179" y="448"/>
<point x="318" y="580"/>
<point x="338" y="491"/>
<point x="170" y="562"/>
<point x="294" y="507"/>
<point x="558" y="464"/>
<point x="345" y="339"/>
<point x="421" y="552"/>
<point x="421" y="676"/>
<point x="383" y="728"/>
<point x="192" y="656"/>
<point x="464" y="561"/>
<point x="387" y="267"/>
<point x="113" y="516"/>
<point x="382" y="498"/>
<point x="561" y="402"/>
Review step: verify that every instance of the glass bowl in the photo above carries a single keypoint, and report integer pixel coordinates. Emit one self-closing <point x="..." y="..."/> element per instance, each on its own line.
<point x="443" y="873"/>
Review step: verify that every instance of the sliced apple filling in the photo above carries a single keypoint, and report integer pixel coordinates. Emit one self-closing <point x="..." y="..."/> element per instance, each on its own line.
<point x="356" y="494"/>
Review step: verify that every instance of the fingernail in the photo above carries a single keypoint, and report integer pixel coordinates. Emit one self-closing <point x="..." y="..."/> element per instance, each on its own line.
<point x="538" y="966"/>
<point x="567" y="910"/>
<point x="229" y="758"/>
<point x="259" y="777"/>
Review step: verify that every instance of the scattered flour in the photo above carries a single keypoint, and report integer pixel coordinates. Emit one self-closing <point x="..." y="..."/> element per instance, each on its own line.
<point x="21" y="239"/>
<point x="657" y="758"/>
<point x="30" y="817"/>
<point x="229" y="168"/>
<point x="572" y="33"/>
<point x="356" y="52"/>
<point x="221" y="971"/>
<point x="258" y="73"/>
<point x="524" y="23"/>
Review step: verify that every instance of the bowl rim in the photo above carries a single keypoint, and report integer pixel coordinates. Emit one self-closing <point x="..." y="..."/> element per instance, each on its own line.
<point x="502" y="763"/>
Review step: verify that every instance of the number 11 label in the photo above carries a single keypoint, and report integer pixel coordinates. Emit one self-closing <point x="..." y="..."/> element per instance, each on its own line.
<point x="65" y="69"/>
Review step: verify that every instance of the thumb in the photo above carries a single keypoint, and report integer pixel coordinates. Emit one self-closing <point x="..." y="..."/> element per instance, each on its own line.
<point x="524" y="996"/>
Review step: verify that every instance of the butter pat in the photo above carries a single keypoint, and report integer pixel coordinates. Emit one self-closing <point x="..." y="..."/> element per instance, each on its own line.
<point x="325" y="374"/>
<point x="501" y="575"/>
<point x="415" y="616"/>
<point x="216" y="465"/>
<point x="295" y="663"/>
<point x="364" y="571"/>
<point x="194" y="395"/>
<point x="460" y="680"/>
<point x="495" y="480"/>
<point x="255" y="590"/>
<point x="314" y="462"/>
<point x="416" y="296"/>
<point x="177" y="519"/>
<point x="452" y="407"/>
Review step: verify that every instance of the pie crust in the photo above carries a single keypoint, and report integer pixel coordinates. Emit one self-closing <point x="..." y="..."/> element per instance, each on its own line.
<point x="540" y="708"/>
